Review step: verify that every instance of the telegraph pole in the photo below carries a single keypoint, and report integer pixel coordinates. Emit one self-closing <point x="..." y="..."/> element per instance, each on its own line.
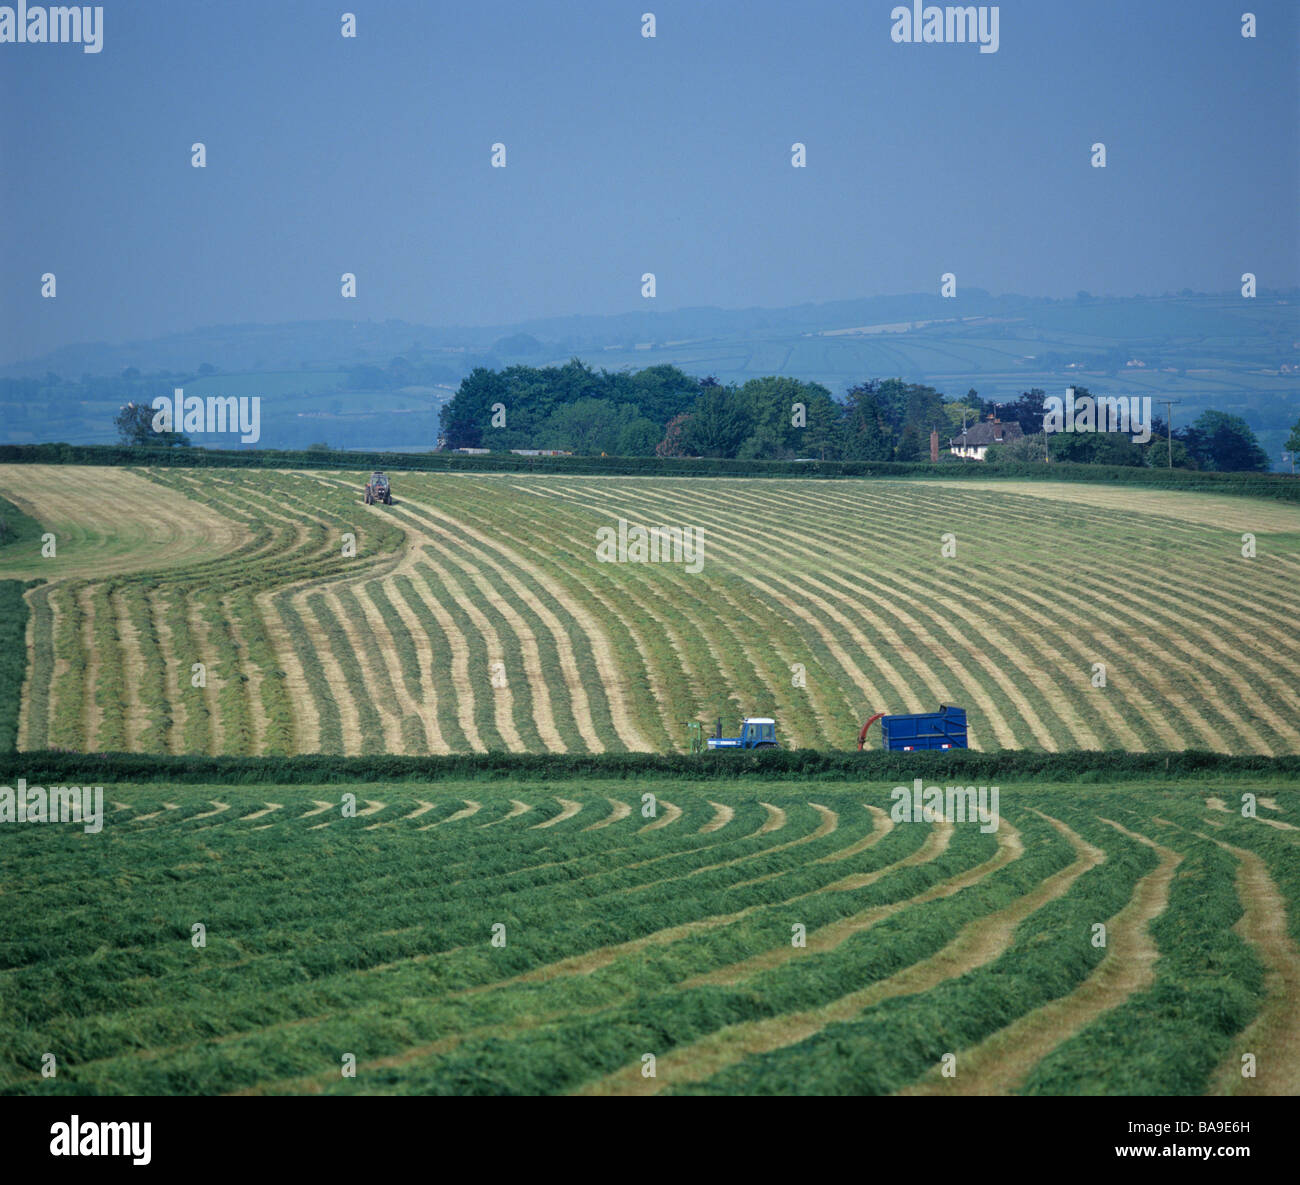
<point x="1169" y="424"/>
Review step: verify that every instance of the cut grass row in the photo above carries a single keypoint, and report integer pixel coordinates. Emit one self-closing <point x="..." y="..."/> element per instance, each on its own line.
<point x="1168" y="1039"/>
<point x="898" y="1039"/>
<point x="691" y="664"/>
<point x="247" y="708"/>
<point x="903" y="588"/>
<point x="339" y="938"/>
<point x="667" y="504"/>
<point x="310" y="651"/>
<point x="386" y="950"/>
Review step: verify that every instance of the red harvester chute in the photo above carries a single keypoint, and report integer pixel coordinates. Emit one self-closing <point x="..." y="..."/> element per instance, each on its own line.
<point x="862" y="736"/>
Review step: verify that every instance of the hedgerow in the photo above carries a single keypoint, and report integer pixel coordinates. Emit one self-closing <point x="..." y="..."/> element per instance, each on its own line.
<point x="13" y="659"/>
<point x="802" y="765"/>
<point x="1261" y="485"/>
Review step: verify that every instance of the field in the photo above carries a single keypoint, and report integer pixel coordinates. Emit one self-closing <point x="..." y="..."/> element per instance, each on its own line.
<point x="226" y="612"/>
<point x="627" y="934"/>
<point x="770" y="928"/>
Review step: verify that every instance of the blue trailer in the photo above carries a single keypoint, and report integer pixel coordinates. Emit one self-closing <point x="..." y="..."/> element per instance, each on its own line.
<point x="944" y="729"/>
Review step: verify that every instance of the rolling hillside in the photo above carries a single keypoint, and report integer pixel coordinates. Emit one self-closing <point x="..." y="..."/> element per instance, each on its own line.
<point x="221" y="612"/>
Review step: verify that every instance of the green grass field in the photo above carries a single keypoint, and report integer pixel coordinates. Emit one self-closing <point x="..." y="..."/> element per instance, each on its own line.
<point x="627" y="935"/>
<point x="745" y="936"/>
<point x="474" y="615"/>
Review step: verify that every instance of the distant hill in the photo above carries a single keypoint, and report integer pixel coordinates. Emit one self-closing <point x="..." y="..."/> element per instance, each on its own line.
<point x="1200" y="350"/>
<point x="337" y="343"/>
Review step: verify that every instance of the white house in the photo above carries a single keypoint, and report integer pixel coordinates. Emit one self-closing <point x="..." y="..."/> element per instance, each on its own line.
<point x="975" y="441"/>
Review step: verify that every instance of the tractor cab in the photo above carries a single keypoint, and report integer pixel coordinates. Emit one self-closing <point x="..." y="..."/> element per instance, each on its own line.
<point x="756" y="732"/>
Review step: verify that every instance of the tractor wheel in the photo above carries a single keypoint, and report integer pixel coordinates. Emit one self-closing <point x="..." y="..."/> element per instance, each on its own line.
<point x="388" y="499"/>
<point x="369" y="497"/>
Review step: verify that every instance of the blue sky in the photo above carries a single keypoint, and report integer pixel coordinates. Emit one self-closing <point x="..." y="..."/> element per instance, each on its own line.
<point x="628" y="155"/>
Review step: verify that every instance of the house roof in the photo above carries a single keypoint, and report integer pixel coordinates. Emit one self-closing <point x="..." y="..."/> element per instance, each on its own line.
<point x="985" y="433"/>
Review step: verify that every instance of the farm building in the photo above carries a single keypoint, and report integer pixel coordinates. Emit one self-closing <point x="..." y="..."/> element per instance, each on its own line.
<point x="975" y="441"/>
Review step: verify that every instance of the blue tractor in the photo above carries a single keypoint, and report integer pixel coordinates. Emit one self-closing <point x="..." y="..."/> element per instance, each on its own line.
<point x="756" y="732"/>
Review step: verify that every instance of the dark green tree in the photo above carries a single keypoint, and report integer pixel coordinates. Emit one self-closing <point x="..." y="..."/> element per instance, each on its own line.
<point x="134" y="423"/>
<point x="638" y="437"/>
<point x="782" y="410"/>
<point x="587" y="427"/>
<point x="719" y="422"/>
<point x="1027" y="411"/>
<point x="1225" y="443"/>
<point x="909" y="446"/>
<point x="867" y="435"/>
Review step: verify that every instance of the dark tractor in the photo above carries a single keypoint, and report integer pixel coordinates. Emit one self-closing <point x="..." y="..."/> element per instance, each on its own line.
<point x="378" y="490"/>
<point x="756" y="732"/>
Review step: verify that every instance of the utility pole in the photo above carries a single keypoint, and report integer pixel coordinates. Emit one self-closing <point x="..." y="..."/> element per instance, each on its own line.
<point x="1169" y="424"/>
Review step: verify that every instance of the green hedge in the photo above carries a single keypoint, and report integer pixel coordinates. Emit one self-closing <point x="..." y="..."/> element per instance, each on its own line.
<point x="1266" y="485"/>
<point x="13" y="659"/>
<point x="45" y="767"/>
<point x="15" y="526"/>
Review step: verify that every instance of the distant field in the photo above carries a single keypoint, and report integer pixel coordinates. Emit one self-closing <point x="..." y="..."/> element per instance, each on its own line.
<point x="268" y="383"/>
<point x="474" y="615"/>
<point x="669" y="934"/>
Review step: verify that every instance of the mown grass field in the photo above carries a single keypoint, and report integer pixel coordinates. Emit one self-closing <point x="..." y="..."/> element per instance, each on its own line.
<point x="474" y="615"/>
<point x="670" y="935"/>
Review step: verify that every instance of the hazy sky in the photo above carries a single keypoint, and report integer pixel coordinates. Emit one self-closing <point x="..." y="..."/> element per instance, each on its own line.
<point x="628" y="155"/>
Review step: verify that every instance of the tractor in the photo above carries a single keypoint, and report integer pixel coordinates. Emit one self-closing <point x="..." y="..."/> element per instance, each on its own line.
<point x="378" y="489"/>
<point x="756" y="732"/>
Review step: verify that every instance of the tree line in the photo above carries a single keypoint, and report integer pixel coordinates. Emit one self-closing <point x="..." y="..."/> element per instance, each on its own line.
<point x="662" y="411"/>
<point x="1215" y="441"/>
